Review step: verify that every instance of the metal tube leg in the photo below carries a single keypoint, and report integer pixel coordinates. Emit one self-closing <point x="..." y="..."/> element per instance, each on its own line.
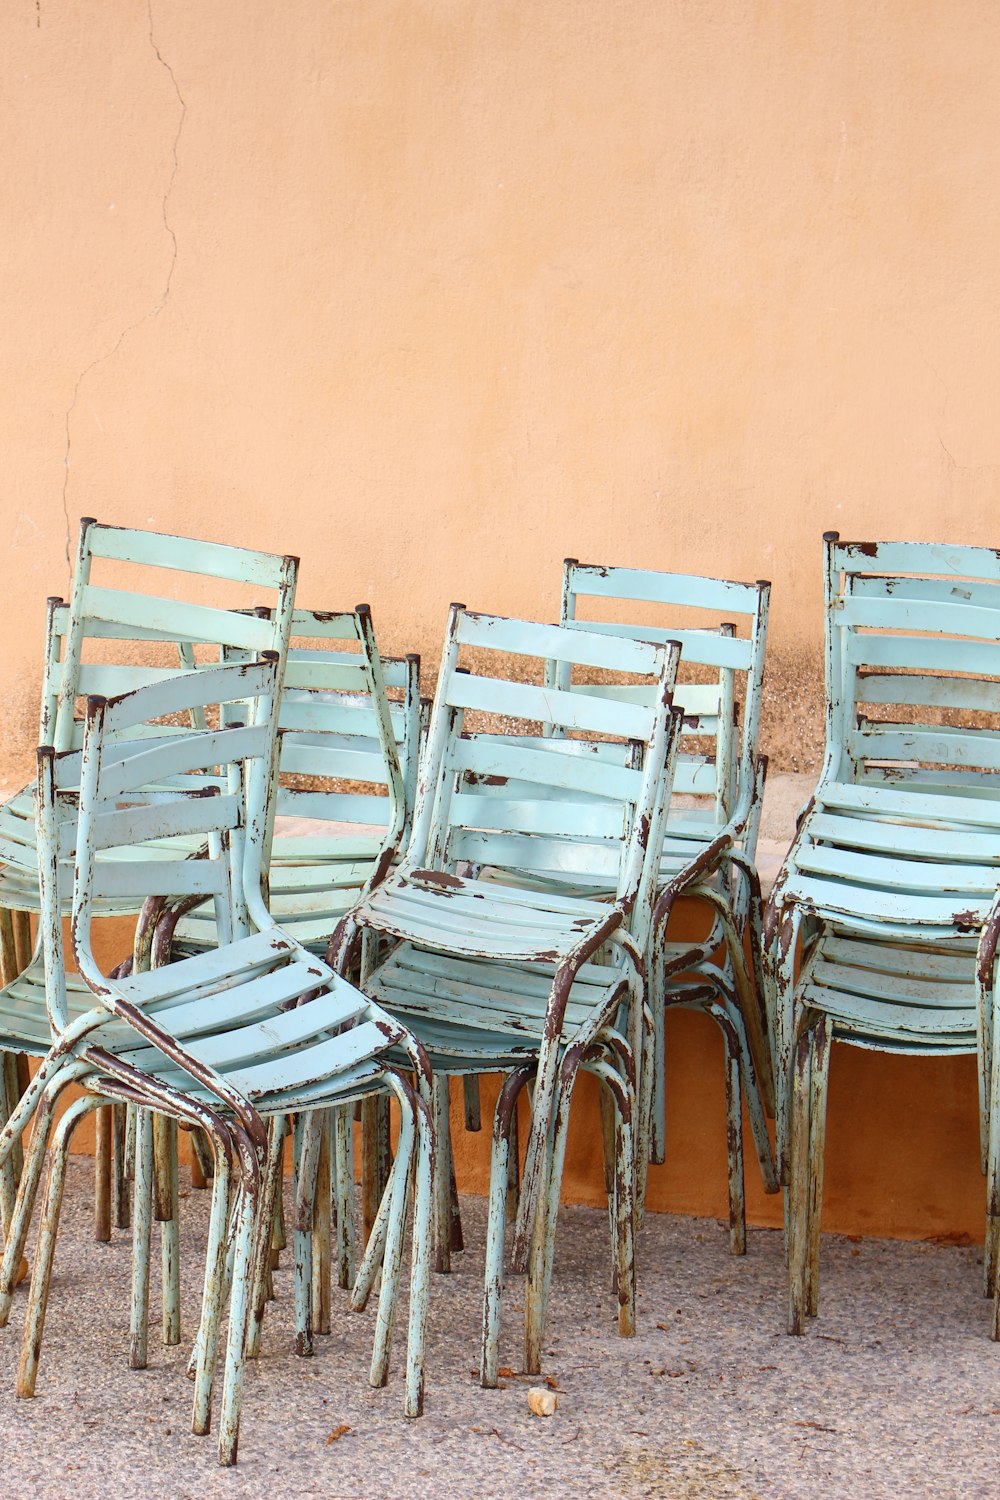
<point x="322" y="1229"/>
<point x="798" y="1184"/>
<point x="393" y="1255"/>
<point x="239" y="1309"/>
<point x="141" y="1233"/>
<point x="121" y="1209"/>
<point x="819" y="1076"/>
<point x="272" y="1193"/>
<point x="102" y="1175"/>
<point x="734" y="1144"/>
<point x="206" y="1347"/>
<point x="170" y="1247"/>
<point x="442" y="1203"/>
<point x="14" y="1265"/>
<point x="344" y="1192"/>
<point x="34" y="1323"/>
<point x="496" y="1221"/>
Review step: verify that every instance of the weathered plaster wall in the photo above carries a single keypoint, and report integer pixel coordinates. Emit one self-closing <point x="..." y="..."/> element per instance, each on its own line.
<point x="436" y="293"/>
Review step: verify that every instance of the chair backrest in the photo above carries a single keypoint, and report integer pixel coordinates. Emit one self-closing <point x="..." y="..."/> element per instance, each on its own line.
<point x="498" y="788"/>
<point x="155" y="629"/>
<point x="913" y="666"/>
<point x="721" y="627"/>
<point x="350" y="725"/>
<point x="140" y="803"/>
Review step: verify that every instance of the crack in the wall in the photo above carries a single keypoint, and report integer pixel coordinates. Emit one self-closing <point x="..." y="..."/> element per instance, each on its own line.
<point x="153" y="312"/>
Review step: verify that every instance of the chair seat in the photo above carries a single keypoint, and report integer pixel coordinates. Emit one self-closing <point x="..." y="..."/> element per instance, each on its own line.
<point x="477" y="918"/>
<point x="896" y="996"/>
<point x="900" y="861"/>
<point x="475" y="1016"/>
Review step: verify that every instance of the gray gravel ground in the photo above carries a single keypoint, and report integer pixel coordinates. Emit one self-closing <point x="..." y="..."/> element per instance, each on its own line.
<point x="895" y="1391"/>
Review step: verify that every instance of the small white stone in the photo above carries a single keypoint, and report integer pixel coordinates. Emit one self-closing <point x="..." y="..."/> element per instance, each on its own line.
<point x="541" y="1401"/>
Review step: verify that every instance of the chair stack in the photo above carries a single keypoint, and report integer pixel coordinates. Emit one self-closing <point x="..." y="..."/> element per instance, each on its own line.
<point x="338" y="910"/>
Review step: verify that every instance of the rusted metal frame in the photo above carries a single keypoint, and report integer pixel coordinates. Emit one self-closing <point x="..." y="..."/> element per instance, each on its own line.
<point x="752" y="1005"/>
<point x="591" y="1046"/>
<point x="248" y="1236"/>
<point x="986" y="981"/>
<point x="34" y="1323"/>
<point x="788" y="927"/>
<point x="819" y="1077"/>
<point x="620" y="1086"/>
<point x="307" y="1138"/>
<point x="344" y="1193"/>
<point x="273" y="1177"/>
<point x="17" y="1228"/>
<point x="543" y="1095"/>
<point x="322" y="1229"/>
<point x="797" y="1221"/>
<point x="504" y="1114"/>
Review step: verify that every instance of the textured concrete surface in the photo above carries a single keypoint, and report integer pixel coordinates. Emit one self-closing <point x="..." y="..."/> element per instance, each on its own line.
<point x="893" y="1391"/>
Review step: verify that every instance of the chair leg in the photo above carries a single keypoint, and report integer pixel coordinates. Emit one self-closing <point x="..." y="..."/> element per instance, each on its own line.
<point x="513" y="1170"/>
<point x="343" y="1188"/>
<point x="536" y="1295"/>
<point x="120" y="1206"/>
<point x="734" y="1142"/>
<point x="170" y="1243"/>
<point x="798" y="1184"/>
<point x="45" y="1251"/>
<point x="503" y="1143"/>
<point x="819" y="1078"/>
<point x="206" y="1347"/>
<point x="239" y="1317"/>
<point x="306" y="1167"/>
<point x="470" y="1096"/>
<point x="142" y="1217"/>
<point x="392" y="1256"/>
<point x="322" y="1229"/>
<point x="278" y="1129"/>
<point x="102" y="1175"/>
<point x="14" y="1265"/>
<point x="442" y="1184"/>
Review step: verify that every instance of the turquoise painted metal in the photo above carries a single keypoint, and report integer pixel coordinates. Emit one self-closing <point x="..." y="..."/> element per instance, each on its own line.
<point x="711" y="832"/>
<point x="883" y="922"/>
<point x="509" y="976"/>
<point x="257" y="1028"/>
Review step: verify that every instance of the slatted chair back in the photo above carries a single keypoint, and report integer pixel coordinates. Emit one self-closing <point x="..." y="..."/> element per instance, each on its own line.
<point x="537" y="781"/>
<point x="120" y="609"/>
<point x="209" y="785"/>
<point x="721" y="627"/>
<point x="913" y="667"/>
<point x="350" y="723"/>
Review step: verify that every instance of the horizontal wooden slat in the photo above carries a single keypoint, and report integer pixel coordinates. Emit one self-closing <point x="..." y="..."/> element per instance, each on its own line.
<point x="581" y="770"/>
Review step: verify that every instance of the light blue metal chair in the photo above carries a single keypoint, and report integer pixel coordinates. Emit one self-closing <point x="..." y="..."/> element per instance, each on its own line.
<point x="116" y="634"/>
<point x="711" y="833"/>
<point x="509" y="977"/>
<point x="255" y="1028"/>
<point x="884" y="899"/>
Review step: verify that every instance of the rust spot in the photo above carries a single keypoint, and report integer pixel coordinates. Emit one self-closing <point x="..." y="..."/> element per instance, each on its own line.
<point x="968" y="921"/>
<point x="867" y="549"/>
<point x="440" y="878"/>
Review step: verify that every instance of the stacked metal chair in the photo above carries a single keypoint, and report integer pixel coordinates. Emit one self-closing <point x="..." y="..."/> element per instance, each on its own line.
<point x="256" y="1027"/>
<point x="711" y="832"/>
<point x="508" y="977"/>
<point x="883" y="922"/>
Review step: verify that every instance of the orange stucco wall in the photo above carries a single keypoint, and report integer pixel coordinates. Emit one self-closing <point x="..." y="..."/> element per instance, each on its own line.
<point x="434" y="293"/>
